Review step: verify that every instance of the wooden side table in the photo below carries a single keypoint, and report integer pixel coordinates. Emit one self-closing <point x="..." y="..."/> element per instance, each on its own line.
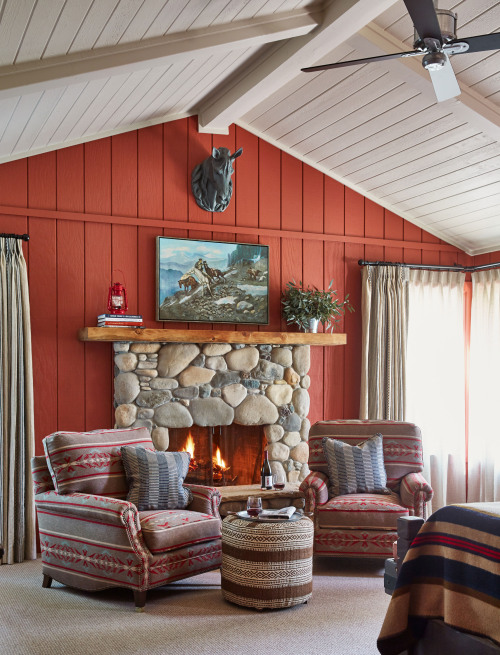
<point x="267" y="565"/>
<point x="234" y="498"/>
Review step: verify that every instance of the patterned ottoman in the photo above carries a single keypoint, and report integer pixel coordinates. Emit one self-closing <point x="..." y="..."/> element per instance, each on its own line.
<point x="266" y="565"/>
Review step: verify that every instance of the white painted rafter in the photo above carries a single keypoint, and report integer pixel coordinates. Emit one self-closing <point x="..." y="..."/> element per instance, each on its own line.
<point x="52" y="72"/>
<point x="341" y="19"/>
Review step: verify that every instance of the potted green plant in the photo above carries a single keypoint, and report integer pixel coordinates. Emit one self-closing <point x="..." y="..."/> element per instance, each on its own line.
<point x="309" y="306"/>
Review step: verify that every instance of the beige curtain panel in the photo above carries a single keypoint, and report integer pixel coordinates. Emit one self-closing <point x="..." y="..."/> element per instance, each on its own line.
<point x="17" y="520"/>
<point x="384" y="305"/>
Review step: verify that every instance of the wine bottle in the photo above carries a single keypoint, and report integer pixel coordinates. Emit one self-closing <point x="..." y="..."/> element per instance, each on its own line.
<point x="266" y="476"/>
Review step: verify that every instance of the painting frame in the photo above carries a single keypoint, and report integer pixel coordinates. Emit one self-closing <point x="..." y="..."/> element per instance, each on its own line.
<point x="208" y="281"/>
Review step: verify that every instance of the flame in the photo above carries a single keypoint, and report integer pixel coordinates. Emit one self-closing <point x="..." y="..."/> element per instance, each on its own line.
<point x="189" y="445"/>
<point x="218" y="459"/>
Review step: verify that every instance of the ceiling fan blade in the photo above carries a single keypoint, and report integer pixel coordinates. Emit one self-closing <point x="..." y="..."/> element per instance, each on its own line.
<point x="355" y="62"/>
<point x="480" y="43"/>
<point x="423" y="15"/>
<point x="444" y="82"/>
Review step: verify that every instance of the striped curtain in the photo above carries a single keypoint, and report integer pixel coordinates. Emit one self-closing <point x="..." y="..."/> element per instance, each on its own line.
<point x="384" y="334"/>
<point x="17" y="514"/>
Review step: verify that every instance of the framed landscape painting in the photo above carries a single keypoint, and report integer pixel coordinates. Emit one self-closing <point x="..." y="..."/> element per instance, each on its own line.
<point x="211" y="281"/>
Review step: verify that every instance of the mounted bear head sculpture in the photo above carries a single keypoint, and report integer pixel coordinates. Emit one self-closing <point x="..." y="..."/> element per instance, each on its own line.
<point x="211" y="180"/>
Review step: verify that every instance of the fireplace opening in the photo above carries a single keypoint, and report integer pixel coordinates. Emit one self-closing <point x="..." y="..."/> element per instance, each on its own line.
<point x="221" y="455"/>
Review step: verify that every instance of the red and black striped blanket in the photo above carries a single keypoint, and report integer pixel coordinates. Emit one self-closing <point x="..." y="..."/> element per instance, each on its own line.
<point x="451" y="572"/>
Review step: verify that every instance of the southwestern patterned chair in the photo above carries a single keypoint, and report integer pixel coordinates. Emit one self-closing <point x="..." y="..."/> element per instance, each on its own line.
<point x="365" y="524"/>
<point x="92" y="538"/>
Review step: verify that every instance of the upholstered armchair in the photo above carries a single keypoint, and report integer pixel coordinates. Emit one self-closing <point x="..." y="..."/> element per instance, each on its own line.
<point x="92" y="538"/>
<point x="365" y="524"/>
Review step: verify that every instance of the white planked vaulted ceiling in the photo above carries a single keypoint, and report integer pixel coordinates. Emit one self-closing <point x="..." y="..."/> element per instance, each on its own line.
<point x="76" y="70"/>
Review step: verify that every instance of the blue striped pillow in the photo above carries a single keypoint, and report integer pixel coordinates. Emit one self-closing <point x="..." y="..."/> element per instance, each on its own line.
<point x="355" y="469"/>
<point x="155" y="478"/>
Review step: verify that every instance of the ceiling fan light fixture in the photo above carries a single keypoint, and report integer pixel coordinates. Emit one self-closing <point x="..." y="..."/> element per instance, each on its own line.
<point x="448" y="23"/>
<point x="434" y="61"/>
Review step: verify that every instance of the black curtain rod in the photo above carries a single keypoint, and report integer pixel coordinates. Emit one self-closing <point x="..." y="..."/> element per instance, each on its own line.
<point x="456" y="267"/>
<point x="24" y="237"/>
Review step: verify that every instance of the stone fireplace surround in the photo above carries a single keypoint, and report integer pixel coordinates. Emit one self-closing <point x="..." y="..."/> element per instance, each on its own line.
<point x="163" y="385"/>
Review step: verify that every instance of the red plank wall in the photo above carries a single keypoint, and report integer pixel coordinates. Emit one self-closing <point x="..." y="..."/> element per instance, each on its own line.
<point x="96" y="207"/>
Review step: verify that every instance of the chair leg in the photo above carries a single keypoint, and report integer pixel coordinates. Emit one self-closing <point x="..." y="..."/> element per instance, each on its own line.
<point x="47" y="581"/>
<point x="140" y="600"/>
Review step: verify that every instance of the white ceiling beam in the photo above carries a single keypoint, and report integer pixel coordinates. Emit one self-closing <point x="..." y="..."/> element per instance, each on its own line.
<point x="469" y="105"/>
<point x="60" y="71"/>
<point x="341" y="19"/>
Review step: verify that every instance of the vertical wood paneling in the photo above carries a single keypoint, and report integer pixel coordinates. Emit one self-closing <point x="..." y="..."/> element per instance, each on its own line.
<point x="177" y="182"/>
<point x="269" y="173"/>
<point x="228" y="217"/>
<point x="98" y="361"/>
<point x="14" y="192"/>
<point x="312" y="270"/>
<point x="412" y="233"/>
<point x="199" y="148"/>
<point x="352" y="325"/>
<point x="313" y="200"/>
<point x="275" y="282"/>
<point x="334" y="358"/>
<point x="269" y="197"/>
<point x="177" y="177"/>
<point x="43" y="297"/>
<point x="334" y="207"/>
<point x="147" y="174"/>
<point x="70" y="291"/>
<point x="312" y="266"/>
<point x="150" y="172"/>
<point x="374" y="228"/>
<point x="354" y="213"/>
<point x="393" y="229"/>
<point x="291" y="193"/>
<point x="124" y="203"/>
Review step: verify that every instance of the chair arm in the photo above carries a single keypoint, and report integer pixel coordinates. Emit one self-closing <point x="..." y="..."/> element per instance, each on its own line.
<point x="87" y="506"/>
<point x="315" y="489"/>
<point x="205" y="499"/>
<point x="90" y="515"/>
<point x="415" y="491"/>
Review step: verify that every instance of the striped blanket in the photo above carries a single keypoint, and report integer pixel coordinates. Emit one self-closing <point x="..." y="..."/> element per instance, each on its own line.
<point x="451" y="572"/>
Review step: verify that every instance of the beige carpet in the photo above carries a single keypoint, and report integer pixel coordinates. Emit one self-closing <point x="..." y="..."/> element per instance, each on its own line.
<point x="343" y="617"/>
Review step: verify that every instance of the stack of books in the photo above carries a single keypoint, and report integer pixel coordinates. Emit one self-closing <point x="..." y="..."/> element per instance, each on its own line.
<point x="119" y="320"/>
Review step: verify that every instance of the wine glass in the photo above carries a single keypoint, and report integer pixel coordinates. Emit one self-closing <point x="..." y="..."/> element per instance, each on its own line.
<point x="279" y="480"/>
<point x="254" y="506"/>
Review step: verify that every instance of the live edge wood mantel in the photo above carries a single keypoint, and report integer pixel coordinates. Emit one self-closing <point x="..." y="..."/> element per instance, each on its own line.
<point x="211" y="336"/>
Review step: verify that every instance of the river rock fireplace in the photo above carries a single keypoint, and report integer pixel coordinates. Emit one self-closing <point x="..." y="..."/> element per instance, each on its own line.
<point x="173" y="387"/>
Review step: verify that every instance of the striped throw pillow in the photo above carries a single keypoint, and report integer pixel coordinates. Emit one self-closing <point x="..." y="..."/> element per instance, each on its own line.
<point x="355" y="469"/>
<point x="91" y="462"/>
<point x="156" y="478"/>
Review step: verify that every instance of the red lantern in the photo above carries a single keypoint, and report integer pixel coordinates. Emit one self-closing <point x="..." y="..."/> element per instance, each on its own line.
<point x="117" y="299"/>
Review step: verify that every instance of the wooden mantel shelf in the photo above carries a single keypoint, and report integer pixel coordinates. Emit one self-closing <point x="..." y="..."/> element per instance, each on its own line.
<point x="211" y="336"/>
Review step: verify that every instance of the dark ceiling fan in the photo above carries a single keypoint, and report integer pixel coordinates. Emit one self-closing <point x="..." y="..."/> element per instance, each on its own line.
<point x="435" y="40"/>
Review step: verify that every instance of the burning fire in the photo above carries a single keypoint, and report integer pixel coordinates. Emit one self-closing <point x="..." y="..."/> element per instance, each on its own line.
<point x="189" y="448"/>
<point x="218" y="461"/>
<point x="219" y="466"/>
<point x="189" y="445"/>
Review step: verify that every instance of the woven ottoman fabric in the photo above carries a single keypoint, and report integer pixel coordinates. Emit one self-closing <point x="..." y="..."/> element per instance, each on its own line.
<point x="170" y="529"/>
<point x="266" y="565"/>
